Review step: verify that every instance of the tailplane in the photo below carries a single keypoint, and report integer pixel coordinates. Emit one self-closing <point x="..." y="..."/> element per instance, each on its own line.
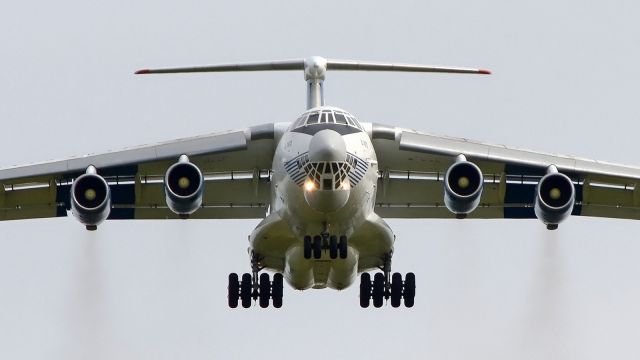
<point x="315" y="69"/>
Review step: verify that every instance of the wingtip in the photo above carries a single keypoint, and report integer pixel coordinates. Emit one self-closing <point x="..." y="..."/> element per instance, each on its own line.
<point x="143" y="71"/>
<point x="484" y="72"/>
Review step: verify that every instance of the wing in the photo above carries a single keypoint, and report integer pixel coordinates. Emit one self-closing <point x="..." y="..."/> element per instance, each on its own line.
<point x="412" y="167"/>
<point x="236" y="166"/>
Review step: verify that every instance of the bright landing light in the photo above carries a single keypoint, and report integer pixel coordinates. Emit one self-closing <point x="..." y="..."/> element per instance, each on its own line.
<point x="309" y="185"/>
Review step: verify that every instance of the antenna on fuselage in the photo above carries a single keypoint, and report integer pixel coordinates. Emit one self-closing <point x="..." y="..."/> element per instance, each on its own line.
<point x="315" y="69"/>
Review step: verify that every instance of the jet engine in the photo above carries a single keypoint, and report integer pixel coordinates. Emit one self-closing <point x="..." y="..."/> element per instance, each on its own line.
<point x="90" y="199"/>
<point x="462" y="187"/>
<point x="555" y="197"/>
<point x="184" y="187"/>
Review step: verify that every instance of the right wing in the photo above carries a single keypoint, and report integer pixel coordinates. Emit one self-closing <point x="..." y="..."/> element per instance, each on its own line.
<point x="413" y="164"/>
<point x="236" y="166"/>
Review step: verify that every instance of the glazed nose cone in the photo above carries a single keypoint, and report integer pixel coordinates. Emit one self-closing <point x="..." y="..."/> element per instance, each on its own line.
<point x="327" y="145"/>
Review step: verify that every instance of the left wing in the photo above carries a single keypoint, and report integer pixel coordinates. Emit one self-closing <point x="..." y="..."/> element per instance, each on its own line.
<point x="236" y="166"/>
<point x="413" y="164"/>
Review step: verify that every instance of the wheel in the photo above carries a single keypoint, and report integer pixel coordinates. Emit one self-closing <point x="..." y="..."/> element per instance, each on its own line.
<point x="333" y="246"/>
<point x="378" y="290"/>
<point x="307" y="247"/>
<point x="409" y="289"/>
<point x="342" y="247"/>
<point x="233" y="290"/>
<point x="365" y="289"/>
<point x="276" y="290"/>
<point x="246" y="287"/>
<point x="265" y="290"/>
<point x="396" y="290"/>
<point x="317" y="247"/>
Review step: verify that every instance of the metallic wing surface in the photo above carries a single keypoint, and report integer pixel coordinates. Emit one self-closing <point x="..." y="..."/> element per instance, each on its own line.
<point x="412" y="166"/>
<point x="236" y="166"/>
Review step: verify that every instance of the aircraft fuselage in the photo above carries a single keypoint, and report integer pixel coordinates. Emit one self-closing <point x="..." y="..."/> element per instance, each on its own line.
<point x="324" y="182"/>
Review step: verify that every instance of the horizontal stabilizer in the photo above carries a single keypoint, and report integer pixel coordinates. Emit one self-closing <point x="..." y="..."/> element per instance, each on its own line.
<point x="254" y="66"/>
<point x="315" y="61"/>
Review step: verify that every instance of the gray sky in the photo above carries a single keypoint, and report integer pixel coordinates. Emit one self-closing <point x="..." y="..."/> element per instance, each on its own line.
<point x="565" y="81"/>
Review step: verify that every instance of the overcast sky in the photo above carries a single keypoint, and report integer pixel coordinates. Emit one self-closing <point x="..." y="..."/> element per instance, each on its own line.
<point x="565" y="81"/>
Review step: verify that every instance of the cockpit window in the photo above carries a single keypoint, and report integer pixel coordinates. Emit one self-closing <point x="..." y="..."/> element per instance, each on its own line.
<point x="327" y="117"/>
<point x="313" y="118"/>
<point x="340" y="119"/>
<point x="301" y="121"/>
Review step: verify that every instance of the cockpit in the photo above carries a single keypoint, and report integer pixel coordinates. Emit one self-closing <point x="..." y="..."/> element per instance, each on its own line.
<point x="327" y="118"/>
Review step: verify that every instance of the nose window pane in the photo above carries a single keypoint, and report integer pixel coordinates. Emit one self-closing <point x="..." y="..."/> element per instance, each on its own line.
<point x="313" y="119"/>
<point x="340" y="119"/>
<point x="327" y="184"/>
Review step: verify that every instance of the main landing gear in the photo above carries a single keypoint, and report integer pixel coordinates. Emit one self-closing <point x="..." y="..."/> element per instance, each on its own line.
<point x="252" y="287"/>
<point x="386" y="286"/>
<point x="313" y="247"/>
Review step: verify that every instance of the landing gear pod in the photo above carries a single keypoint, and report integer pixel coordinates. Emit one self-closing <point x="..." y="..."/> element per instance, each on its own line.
<point x="90" y="199"/>
<point x="462" y="187"/>
<point x="555" y="197"/>
<point x="184" y="187"/>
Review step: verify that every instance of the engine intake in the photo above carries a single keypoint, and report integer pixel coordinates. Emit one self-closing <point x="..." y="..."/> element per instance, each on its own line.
<point x="555" y="198"/>
<point x="90" y="199"/>
<point x="184" y="187"/>
<point x="462" y="187"/>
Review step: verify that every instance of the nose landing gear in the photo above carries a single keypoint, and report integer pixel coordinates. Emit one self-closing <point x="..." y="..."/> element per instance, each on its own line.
<point x="386" y="286"/>
<point x="337" y="246"/>
<point x="252" y="287"/>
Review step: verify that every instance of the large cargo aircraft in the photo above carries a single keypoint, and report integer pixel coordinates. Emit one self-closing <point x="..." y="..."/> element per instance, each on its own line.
<point x="322" y="186"/>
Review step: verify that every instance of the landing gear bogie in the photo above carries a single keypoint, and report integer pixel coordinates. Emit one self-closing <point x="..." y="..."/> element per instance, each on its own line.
<point x="337" y="246"/>
<point x="255" y="288"/>
<point x="386" y="286"/>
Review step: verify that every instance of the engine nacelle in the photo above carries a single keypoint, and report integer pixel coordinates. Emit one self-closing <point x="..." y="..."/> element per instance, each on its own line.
<point x="90" y="199"/>
<point x="184" y="187"/>
<point x="462" y="187"/>
<point x="555" y="197"/>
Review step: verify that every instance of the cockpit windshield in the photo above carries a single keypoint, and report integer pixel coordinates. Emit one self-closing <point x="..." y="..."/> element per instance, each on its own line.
<point x="327" y="116"/>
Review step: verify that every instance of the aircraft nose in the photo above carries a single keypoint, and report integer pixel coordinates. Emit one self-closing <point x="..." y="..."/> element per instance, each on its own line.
<point x="327" y="145"/>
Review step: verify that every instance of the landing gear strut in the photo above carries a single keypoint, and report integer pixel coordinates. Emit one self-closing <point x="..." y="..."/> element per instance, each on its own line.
<point x="386" y="286"/>
<point x="253" y="287"/>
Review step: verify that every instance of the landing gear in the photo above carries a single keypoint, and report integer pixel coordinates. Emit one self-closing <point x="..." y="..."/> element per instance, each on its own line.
<point x="337" y="246"/>
<point x="233" y="290"/>
<point x="385" y="286"/>
<point x="365" y="289"/>
<point x="252" y="287"/>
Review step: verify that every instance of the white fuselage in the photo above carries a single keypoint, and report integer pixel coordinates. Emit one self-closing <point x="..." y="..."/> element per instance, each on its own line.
<point x="293" y="211"/>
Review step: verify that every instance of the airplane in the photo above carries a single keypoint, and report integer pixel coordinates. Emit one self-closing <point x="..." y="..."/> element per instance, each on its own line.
<point x="321" y="186"/>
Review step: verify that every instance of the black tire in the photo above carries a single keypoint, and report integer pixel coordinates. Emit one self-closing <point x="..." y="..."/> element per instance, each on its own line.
<point x="342" y="247"/>
<point x="365" y="290"/>
<point x="333" y="246"/>
<point x="233" y="290"/>
<point x="396" y="289"/>
<point x="317" y="247"/>
<point x="265" y="290"/>
<point x="246" y="287"/>
<point x="378" y="290"/>
<point x="307" y="247"/>
<point x="409" y="289"/>
<point x="277" y="290"/>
